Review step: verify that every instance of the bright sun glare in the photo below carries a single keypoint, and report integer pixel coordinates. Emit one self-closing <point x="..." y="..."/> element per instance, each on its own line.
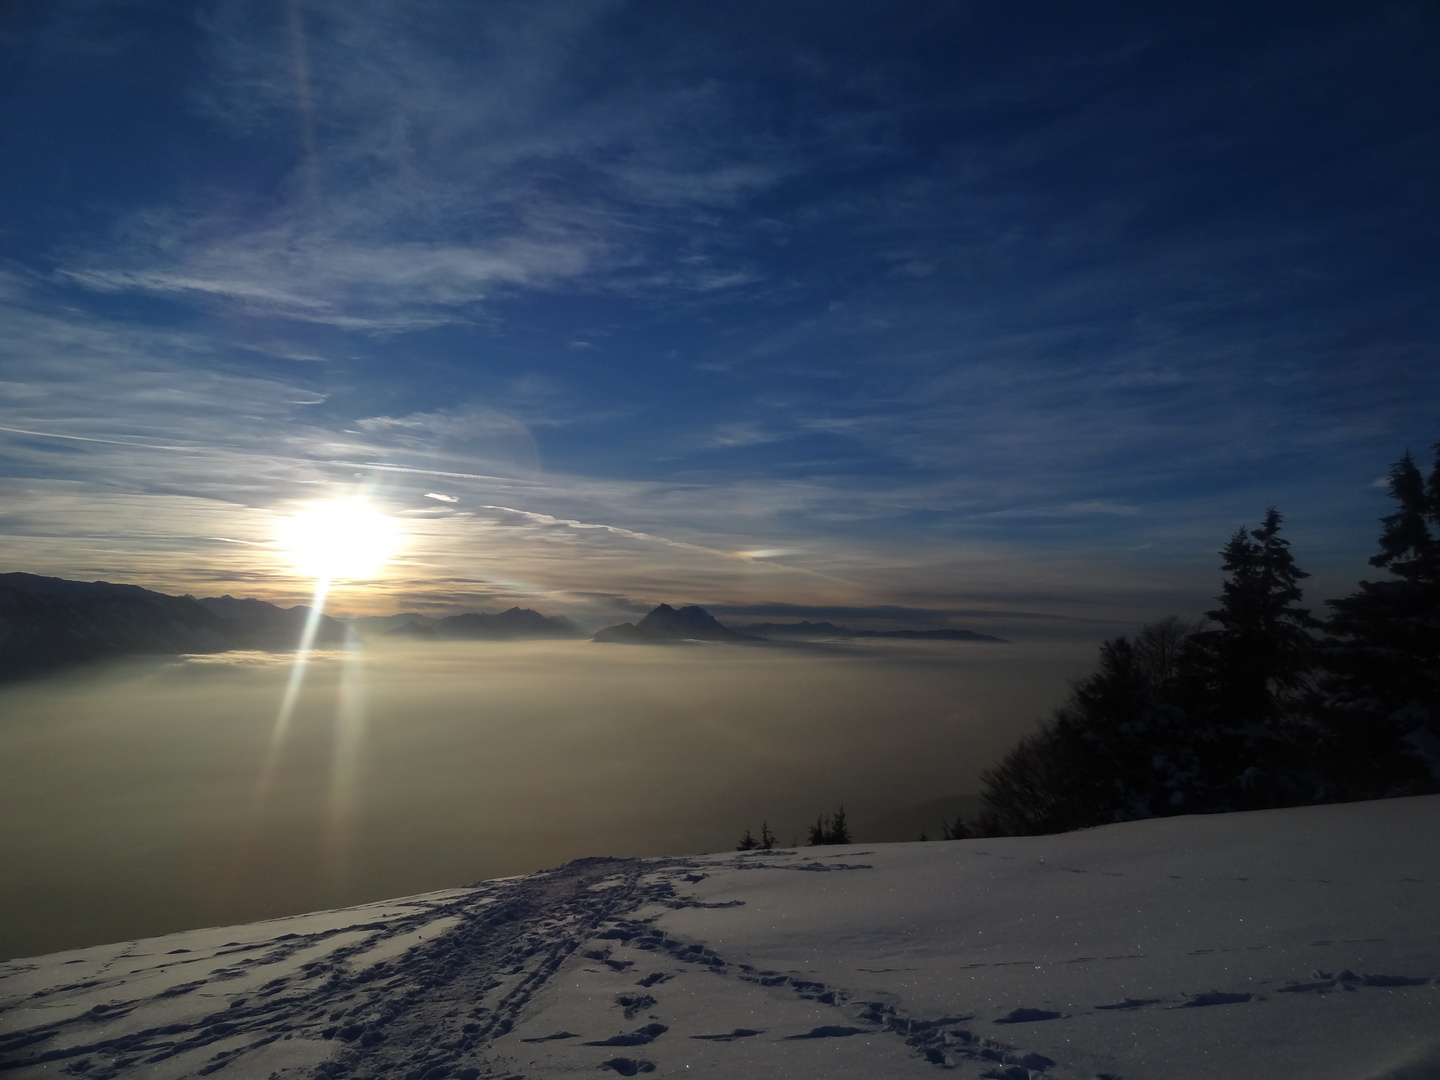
<point x="339" y="540"/>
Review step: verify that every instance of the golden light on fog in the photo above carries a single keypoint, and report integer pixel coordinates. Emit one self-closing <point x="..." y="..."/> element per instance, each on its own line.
<point x="339" y="541"/>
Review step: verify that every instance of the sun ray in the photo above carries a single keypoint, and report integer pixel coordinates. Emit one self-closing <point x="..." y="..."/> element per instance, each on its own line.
<point x="350" y="717"/>
<point x="341" y="541"/>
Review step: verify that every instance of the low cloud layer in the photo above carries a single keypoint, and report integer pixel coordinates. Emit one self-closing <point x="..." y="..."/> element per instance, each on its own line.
<point x="160" y="794"/>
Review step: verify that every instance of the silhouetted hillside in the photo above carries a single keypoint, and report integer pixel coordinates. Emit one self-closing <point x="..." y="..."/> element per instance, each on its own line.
<point x="48" y="623"/>
<point x="256" y="624"/>
<point x="377" y="625"/>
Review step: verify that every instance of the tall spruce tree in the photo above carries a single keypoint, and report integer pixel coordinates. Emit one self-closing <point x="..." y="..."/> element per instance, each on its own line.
<point x="1381" y="691"/>
<point x="1262" y="651"/>
<point x="1249" y="677"/>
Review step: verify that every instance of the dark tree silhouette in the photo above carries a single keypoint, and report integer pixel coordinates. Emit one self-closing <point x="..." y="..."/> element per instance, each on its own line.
<point x="1249" y="711"/>
<point x="830" y="830"/>
<point x="747" y="842"/>
<point x="1246" y="684"/>
<point x="1028" y="793"/>
<point x="818" y="831"/>
<point x="956" y="831"/>
<point x="1380" y="694"/>
<point x="1260" y="654"/>
<point x="1119" y="748"/>
<point x="767" y="838"/>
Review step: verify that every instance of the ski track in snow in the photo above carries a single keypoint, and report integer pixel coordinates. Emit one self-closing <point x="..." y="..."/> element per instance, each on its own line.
<point x="432" y="987"/>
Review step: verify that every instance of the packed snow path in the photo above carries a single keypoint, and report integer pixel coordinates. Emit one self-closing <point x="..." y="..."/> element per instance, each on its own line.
<point x="1300" y="943"/>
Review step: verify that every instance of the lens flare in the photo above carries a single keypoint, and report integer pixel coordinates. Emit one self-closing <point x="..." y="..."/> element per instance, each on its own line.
<point x="339" y="541"/>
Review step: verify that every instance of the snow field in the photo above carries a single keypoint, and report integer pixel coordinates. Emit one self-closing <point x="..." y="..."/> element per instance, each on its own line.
<point x="1292" y="943"/>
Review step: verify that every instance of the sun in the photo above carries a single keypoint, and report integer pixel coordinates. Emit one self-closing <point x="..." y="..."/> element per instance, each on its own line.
<point x="339" y="541"/>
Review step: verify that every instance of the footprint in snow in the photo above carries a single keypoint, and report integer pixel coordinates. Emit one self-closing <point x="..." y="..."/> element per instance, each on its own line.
<point x="634" y="1003"/>
<point x="603" y="956"/>
<point x="1132" y="1003"/>
<point x="1215" y="997"/>
<point x="829" y="1031"/>
<point x="552" y="1038"/>
<point x="647" y="1034"/>
<point x="628" y="1066"/>
<point x="1028" y="1016"/>
<point x="738" y="1033"/>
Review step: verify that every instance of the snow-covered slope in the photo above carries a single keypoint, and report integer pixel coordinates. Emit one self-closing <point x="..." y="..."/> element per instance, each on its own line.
<point x="1294" y="943"/>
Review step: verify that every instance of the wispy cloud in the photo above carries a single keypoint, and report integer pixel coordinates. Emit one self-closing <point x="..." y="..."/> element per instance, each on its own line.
<point x="426" y="185"/>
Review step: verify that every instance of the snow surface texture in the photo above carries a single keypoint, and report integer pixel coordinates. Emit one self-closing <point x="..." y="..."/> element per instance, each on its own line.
<point x="1292" y="943"/>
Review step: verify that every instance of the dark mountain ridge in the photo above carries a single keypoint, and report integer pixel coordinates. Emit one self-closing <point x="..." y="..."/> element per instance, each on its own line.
<point x="667" y="624"/>
<point x="49" y="623"/>
<point x="694" y="623"/>
<point x="830" y="630"/>
<point x="261" y="625"/>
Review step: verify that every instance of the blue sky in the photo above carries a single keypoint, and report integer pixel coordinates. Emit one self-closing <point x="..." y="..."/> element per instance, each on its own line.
<point x="999" y="311"/>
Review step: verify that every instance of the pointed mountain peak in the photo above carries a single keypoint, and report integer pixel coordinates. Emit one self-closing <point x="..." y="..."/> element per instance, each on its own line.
<point x="665" y="623"/>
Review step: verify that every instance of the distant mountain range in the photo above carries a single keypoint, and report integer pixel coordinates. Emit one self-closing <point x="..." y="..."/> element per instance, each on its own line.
<point x="830" y="630"/>
<point x="694" y="623"/>
<point x="669" y="624"/>
<point x="48" y="623"/>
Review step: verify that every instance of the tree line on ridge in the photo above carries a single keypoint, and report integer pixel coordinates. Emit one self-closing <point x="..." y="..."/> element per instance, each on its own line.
<point x="1263" y="705"/>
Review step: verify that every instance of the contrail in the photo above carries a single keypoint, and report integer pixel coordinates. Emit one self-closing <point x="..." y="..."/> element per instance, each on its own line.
<point x="630" y="533"/>
<point x="545" y="518"/>
<point x="426" y="472"/>
<point x="91" y="439"/>
<point x="572" y="523"/>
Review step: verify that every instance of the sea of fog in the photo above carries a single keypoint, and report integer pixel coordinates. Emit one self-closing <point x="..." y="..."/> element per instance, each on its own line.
<point x="159" y="795"/>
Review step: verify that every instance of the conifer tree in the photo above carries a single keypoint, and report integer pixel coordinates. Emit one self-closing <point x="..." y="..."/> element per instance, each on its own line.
<point x="1381" y="691"/>
<point x="1262" y="650"/>
<point x="1246" y="682"/>
<point x="828" y="830"/>
<point x="958" y="831"/>
<point x="747" y="842"/>
<point x="839" y="831"/>
<point x="820" y="831"/>
<point x="767" y="838"/>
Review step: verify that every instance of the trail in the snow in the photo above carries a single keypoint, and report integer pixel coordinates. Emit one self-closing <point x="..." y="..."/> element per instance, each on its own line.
<point x="944" y="1041"/>
<point x="444" y="987"/>
<point x="431" y="1007"/>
